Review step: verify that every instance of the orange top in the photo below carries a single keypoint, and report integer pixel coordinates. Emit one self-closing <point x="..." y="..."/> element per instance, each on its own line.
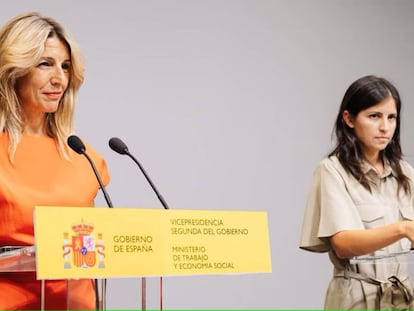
<point x="40" y="176"/>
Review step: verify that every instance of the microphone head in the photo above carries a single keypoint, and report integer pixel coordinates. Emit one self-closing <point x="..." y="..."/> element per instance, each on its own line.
<point x="118" y="145"/>
<point x="76" y="144"/>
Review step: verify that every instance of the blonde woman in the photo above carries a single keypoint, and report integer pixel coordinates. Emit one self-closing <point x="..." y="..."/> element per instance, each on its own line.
<point x="41" y="71"/>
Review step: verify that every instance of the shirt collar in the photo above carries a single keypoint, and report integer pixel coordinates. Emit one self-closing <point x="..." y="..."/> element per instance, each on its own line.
<point x="367" y="168"/>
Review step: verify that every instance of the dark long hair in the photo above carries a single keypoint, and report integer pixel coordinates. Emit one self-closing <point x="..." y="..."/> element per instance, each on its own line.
<point x="362" y="94"/>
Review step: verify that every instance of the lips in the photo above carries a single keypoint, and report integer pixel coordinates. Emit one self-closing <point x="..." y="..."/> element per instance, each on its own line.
<point x="53" y="94"/>
<point x="383" y="138"/>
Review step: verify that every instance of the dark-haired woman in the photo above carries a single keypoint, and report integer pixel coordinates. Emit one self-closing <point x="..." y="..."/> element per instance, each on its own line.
<point x="361" y="202"/>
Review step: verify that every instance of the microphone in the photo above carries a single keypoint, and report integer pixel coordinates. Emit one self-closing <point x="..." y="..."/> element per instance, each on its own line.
<point x="119" y="146"/>
<point x="77" y="145"/>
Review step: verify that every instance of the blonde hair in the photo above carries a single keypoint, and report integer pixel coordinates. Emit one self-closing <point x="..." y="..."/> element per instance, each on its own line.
<point x="22" y="42"/>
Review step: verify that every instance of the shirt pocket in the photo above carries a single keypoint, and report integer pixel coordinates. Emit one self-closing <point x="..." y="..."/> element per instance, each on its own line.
<point x="371" y="215"/>
<point x="407" y="212"/>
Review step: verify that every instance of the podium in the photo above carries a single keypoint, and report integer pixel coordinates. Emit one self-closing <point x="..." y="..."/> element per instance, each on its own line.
<point x="17" y="259"/>
<point x="383" y="278"/>
<point x="74" y="243"/>
<point x="404" y="256"/>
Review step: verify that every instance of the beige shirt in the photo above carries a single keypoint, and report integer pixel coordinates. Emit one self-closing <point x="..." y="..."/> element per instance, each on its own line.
<point x="338" y="202"/>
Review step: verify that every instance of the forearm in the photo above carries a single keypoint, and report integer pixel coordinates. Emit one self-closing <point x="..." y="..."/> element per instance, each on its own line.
<point x="352" y="243"/>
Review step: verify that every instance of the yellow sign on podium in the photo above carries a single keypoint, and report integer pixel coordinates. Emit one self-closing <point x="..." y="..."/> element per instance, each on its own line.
<point x="80" y="242"/>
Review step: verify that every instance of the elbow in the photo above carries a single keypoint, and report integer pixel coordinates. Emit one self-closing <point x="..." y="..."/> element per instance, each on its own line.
<point x="341" y="247"/>
<point x="342" y="253"/>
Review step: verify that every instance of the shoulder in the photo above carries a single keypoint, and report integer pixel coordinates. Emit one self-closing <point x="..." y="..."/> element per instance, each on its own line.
<point x="407" y="168"/>
<point x="91" y="151"/>
<point x="330" y="170"/>
<point x="330" y="164"/>
<point x="98" y="160"/>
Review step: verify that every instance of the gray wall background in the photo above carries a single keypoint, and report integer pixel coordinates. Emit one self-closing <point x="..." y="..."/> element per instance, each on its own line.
<point x="229" y="104"/>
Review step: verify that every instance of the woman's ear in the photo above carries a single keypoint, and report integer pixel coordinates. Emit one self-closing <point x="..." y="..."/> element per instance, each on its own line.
<point x="348" y="119"/>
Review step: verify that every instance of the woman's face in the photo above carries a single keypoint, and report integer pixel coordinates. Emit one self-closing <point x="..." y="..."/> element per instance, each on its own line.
<point x="42" y="88"/>
<point x="374" y="126"/>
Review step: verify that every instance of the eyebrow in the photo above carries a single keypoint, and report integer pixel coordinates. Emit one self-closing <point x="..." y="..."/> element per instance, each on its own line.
<point x="52" y="58"/>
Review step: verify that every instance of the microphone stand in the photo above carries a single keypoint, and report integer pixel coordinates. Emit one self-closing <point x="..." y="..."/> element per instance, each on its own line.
<point x="119" y="146"/>
<point x="102" y="299"/>
<point x="165" y="205"/>
<point x="107" y="199"/>
<point x="76" y="144"/>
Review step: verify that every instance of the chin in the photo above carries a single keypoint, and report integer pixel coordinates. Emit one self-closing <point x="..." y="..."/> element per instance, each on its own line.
<point x="51" y="109"/>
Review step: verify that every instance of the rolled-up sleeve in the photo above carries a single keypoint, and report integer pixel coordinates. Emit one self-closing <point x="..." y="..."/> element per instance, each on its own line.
<point x="329" y="208"/>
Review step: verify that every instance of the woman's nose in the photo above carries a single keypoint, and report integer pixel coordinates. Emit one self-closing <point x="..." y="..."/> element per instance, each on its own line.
<point x="58" y="76"/>
<point x="385" y="124"/>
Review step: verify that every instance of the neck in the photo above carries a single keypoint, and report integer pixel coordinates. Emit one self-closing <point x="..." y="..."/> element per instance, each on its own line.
<point x="35" y="128"/>
<point x="34" y="124"/>
<point x="34" y="132"/>
<point x="376" y="163"/>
